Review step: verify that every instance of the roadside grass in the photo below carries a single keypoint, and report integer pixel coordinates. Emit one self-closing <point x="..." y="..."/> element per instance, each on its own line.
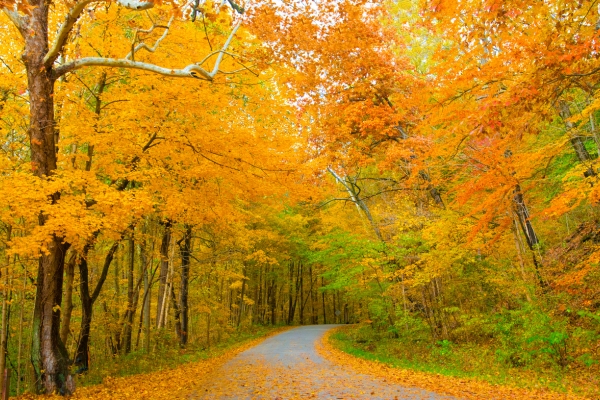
<point x="465" y="361"/>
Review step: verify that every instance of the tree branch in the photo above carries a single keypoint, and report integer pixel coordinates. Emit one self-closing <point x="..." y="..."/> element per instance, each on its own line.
<point x="142" y="45"/>
<point x="18" y="20"/>
<point x="107" y="261"/>
<point x="64" y="30"/>
<point x="236" y="7"/>
<point x="191" y="71"/>
<point x="136" y="4"/>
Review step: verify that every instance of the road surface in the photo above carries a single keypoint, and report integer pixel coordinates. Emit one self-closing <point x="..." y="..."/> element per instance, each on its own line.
<point x="287" y="366"/>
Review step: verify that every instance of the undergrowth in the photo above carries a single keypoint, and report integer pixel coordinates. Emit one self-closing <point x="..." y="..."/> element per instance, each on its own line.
<point x="463" y="360"/>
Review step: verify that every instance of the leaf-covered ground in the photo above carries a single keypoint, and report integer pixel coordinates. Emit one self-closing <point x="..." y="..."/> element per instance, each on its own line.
<point x="288" y="366"/>
<point x="297" y="364"/>
<point x="168" y="384"/>
<point x="460" y="387"/>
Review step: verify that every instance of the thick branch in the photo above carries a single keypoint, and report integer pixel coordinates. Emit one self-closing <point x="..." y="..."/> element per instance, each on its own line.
<point x="64" y="30"/>
<point x="191" y="71"/>
<point x="104" y="273"/>
<point x="18" y="20"/>
<point x="136" y="4"/>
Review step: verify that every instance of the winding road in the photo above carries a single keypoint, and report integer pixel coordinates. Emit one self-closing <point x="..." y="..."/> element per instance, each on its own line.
<point x="287" y="366"/>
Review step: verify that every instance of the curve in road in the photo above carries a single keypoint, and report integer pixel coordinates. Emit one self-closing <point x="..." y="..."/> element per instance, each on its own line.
<point x="287" y="366"/>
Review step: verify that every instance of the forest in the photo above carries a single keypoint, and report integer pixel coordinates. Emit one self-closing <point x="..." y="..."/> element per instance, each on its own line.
<point x="176" y="175"/>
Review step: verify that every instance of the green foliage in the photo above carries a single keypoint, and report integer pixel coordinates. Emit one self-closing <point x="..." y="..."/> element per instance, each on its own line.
<point x="528" y="334"/>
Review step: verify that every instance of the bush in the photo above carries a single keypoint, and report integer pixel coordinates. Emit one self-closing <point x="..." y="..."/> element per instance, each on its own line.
<point x="528" y="335"/>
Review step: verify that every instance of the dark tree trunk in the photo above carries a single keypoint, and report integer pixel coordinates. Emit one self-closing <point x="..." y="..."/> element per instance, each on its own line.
<point x="313" y="316"/>
<point x="185" y="248"/>
<point x="524" y="218"/>
<point x="49" y="356"/>
<point x="433" y="191"/>
<point x="273" y="292"/>
<point x="177" y="313"/>
<point x="67" y="309"/>
<point x="323" y="298"/>
<point x="164" y="269"/>
<point x="82" y="354"/>
<point x="241" y="303"/>
<point x="129" y="314"/>
<point x="301" y="278"/>
<point x="530" y="235"/>
<point x="576" y="141"/>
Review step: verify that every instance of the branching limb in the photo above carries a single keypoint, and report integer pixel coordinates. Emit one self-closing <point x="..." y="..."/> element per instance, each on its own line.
<point x="18" y="20"/>
<point x="64" y="30"/>
<point x="72" y="17"/>
<point x="191" y="71"/>
<point x="131" y="55"/>
<point x="221" y="52"/>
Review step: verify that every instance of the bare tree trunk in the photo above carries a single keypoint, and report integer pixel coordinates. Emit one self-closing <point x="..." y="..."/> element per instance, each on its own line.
<point x="127" y="328"/>
<point x="323" y="296"/>
<point x="576" y="141"/>
<point x="49" y="356"/>
<point x="273" y="302"/>
<point x="67" y="309"/>
<point x="21" y="322"/>
<point x="185" y="248"/>
<point x="301" y="278"/>
<point x="177" y="313"/>
<point x="291" y="309"/>
<point x="241" y="303"/>
<point x="313" y="316"/>
<point x="164" y="268"/>
<point x="4" y="334"/>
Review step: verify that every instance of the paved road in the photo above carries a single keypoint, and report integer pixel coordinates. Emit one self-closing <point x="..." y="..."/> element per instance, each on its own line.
<point x="287" y="366"/>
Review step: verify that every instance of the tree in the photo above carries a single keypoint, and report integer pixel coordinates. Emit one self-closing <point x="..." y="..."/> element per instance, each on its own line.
<point x="47" y="60"/>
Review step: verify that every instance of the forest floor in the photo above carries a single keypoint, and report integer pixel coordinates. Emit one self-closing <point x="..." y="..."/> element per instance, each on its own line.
<point x="381" y="362"/>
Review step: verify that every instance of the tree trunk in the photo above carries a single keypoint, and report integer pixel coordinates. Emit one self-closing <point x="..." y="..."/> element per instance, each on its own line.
<point x="81" y="359"/>
<point x="576" y="141"/>
<point x="49" y="356"/>
<point x="241" y="303"/>
<point x="524" y="218"/>
<point x="82" y="353"/>
<point x="177" y="313"/>
<point x="67" y="309"/>
<point x="4" y="386"/>
<point x="290" y="294"/>
<point x="164" y="269"/>
<point x="185" y="248"/>
<point x="323" y="298"/>
<point x="300" y="273"/>
<point x="127" y="328"/>
<point x="273" y="302"/>
<point x="21" y="323"/>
